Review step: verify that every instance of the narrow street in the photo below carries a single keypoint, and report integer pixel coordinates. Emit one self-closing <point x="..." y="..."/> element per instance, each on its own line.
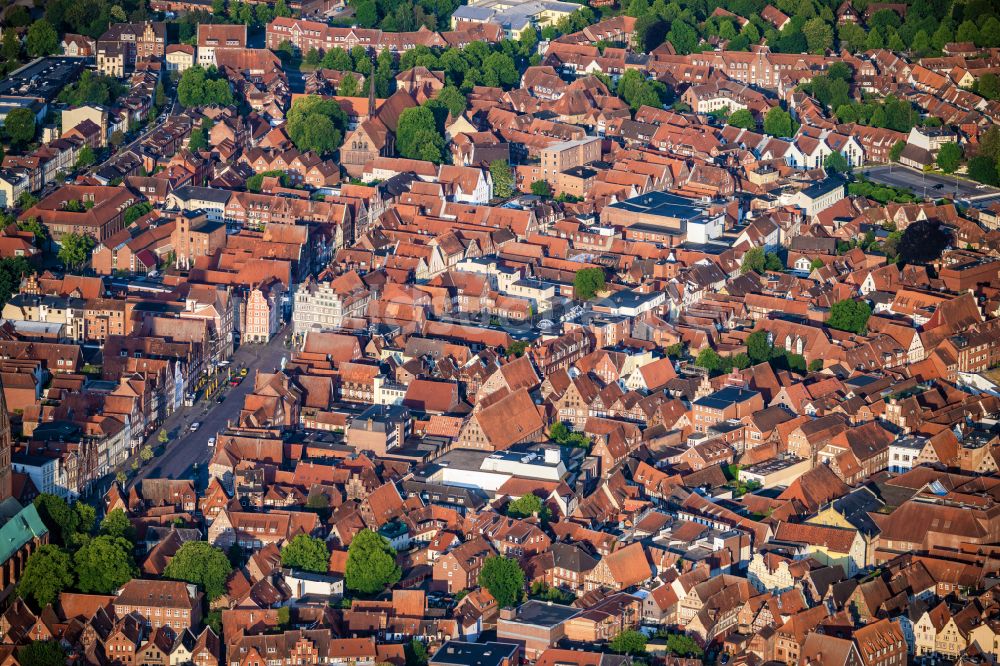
<point x="187" y="448"/>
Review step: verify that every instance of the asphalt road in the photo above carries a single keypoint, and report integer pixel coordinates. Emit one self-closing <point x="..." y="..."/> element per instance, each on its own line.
<point x="932" y="185"/>
<point x="187" y="448"/>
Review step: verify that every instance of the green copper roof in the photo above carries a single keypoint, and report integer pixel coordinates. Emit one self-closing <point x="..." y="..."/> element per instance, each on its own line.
<point x="19" y="530"/>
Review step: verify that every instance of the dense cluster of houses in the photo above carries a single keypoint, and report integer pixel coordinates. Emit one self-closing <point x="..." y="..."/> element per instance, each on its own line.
<point x="713" y="456"/>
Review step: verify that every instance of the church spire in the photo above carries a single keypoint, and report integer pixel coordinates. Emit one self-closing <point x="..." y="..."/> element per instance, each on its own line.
<point x="371" y="86"/>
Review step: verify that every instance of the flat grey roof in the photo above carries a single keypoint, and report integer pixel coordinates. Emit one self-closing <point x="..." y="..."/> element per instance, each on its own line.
<point x="544" y="614"/>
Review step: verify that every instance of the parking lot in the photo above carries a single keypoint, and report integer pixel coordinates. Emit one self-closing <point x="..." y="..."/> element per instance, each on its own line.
<point x="933" y="185"/>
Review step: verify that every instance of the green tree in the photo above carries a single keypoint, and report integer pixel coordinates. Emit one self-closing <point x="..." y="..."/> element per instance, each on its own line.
<point x="517" y="348"/>
<point x="835" y="162"/>
<point x="629" y="642"/>
<point x="896" y="150"/>
<point x="135" y="211"/>
<point x="815" y="264"/>
<point x="20" y="126"/>
<point x="117" y="524"/>
<point x="742" y="118"/>
<point x="47" y="572"/>
<point x="416" y="653"/>
<point x="588" y="282"/>
<point x="849" y="315"/>
<point x="85" y="157"/>
<point x="683" y="646"/>
<point x="371" y="563"/>
<point x="313" y="57"/>
<point x="527" y="506"/>
<point x="200" y="563"/>
<point x="637" y="8"/>
<point x="753" y="261"/>
<point x="201" y="87"/>
<point x="778" y="122"/>
<point x="503" y="179"/>
<point x="316" y="124"/>
<point x="10" y="51"/>
<point x="984" y="170"/>
<point x="818" y="34"/>
<point x="104" y="564"/>
<point x="349" y="86"/>
<point x="306" y="552"/>
<point x="650" y="31"/>
<point x="709" y="359"/>
<point x="37" y="228"/>
<point x="58" y="516"/>
<point x="74" y="250"/>
<point x="452" y="99"/>
<point x="949" y="157"/>
<point x="339" y="59"/>
<point x="759" y="349"/>
<point x="683" y="37"/>
<point x="989" y="33"/>
<point x="772" y="262"/>
<point x="499" y="71"/>
<point x="42" y="39"/>
<point x="852" y="37"/>
<point x="42" y="653"/>
<point x="541" y="188"/>
<point x="923" y="241"/>
<point x="815" y="365"/>
<point x="86" y="517"/>
<point x="417" y="135"/>
<point x="967" y="32"/>
<point x="504" y="579"/>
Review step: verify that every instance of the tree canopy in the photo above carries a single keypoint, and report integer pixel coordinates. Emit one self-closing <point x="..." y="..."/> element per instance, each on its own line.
<point x="503" y="179"/>
<point x="629" y="642"/>
<point x="74" y="250"/>
<point x="316" y="124"/>
<point x="371" y="563"/>
<point x="527" y="506"/>
<point x="200" y="563"/>
<point x="307" y="553"/>
<point x="742" y="118"/>
<point x="42" y="653"/>
<point x="20" y="125"/>
<point x="949" y="157"/>
<point x="588" y="282"/>
<point x="778" y="123"/>
<point x="201" y="87"/>
<point x="42" y="39"/>
<point x="117" y="524"/>
<point x="47" y="572"/>
<point x="418" y="137"/>
<point x="849" y="315"/>
<point x="923" y="241"/>
<point x="104" y="564"/>
<point x="92" y="88"/>
<point x="504" y="579"/>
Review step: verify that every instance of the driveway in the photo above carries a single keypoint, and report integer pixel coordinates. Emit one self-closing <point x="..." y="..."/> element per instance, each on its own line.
<point x="187" y="448"/>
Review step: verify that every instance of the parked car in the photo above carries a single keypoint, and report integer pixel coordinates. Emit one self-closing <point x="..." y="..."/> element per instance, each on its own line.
<point x="211" y="441"/>
<point x="195" y="426"/>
